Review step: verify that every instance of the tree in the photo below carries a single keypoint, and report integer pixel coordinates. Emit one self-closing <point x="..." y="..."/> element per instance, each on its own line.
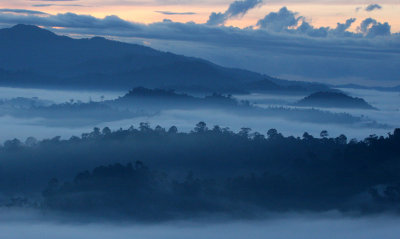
<point x="12" y="144"/>
<point x="341" y="139"/>
<point x="244" y="132"/>
<point x="200" y="127"/>
<point x="74" y="139"/>
<point x="159" y="129"/>
<point x="272" y="133"/>
<point x="373" y="138"/>
<point x="257" y="136"/>
<point x="31" y="141"/>
<point x="56" y="139"/>
<point x="173" y="130"/>
<point x="324" y="134"/>
<point x="307" y="136"/>
<point x="217" y="129"/>
<point x="144" y="127"/>
<point x="96" y="132"/>
<point x="396" y="133"/>
<point x="106" y="131"/>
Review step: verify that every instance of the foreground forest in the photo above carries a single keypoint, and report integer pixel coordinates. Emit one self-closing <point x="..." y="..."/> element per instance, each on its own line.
<point x="149" y="173"/>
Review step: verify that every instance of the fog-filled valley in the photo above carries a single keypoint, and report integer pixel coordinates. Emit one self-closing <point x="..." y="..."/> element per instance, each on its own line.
<point x="19" y="225"/>
<point x="50" y="121"/>
<point x="107" y="139"/>
<point x="152" y="139"/>
<point x="148" y="148"/>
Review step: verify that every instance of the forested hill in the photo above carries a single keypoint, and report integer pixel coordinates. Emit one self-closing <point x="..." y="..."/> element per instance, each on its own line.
<point x="330" y="99"/>
<point x="179" y="174"/>
<point x="159" y="98"/>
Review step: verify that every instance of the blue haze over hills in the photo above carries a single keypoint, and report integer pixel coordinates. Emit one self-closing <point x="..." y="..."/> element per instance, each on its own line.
<point x="52" y="61"/>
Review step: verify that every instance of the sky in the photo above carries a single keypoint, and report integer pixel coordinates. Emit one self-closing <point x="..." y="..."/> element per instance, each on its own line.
<point x="328" y="41"/>
<point x="320" y="12"/>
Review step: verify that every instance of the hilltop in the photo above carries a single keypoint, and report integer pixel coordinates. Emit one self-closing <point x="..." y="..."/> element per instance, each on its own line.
<point x="330" y="99"/>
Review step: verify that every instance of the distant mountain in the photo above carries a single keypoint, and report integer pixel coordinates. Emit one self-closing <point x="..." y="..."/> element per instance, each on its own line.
<point x="157" y="94"/>
<point x="158" y="99"/>
<point x="329" y="99"/>
<point x="151" y="101"/>
<point x="34" y="57"/>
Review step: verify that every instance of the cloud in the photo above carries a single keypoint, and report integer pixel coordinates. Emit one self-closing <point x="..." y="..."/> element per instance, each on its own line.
<point x="341" y="28"/>
<point x="175" y="13"/>
<point x="307" y="29"/>
<point x="70" y="20"/>
<point x="49" y="3"/>
<point x="61" y="5"/>
<point x="370" y="8"/>
<point x="284" y="21"/>
<point x="236" y="9"/>
<point x="279" y="21"/>
<point x="373" y="7"/>
<point x="371" y="28"/>
<point x="22" y="11"/>
<point x="364" y="26"/>
<point x="290" y="22"/>
<point x="43" y="5"/>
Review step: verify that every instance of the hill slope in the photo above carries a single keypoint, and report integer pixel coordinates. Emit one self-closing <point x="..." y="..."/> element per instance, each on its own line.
<point x="52" y="60"/>
<point x="334" y="100"/>
<point x="34" y="57"/>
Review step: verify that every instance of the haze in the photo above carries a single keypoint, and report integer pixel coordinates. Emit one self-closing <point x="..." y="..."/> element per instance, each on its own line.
<point x="199" y="119"/>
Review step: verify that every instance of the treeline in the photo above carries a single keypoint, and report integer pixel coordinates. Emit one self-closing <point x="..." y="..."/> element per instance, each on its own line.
<point x="208" y="170"/>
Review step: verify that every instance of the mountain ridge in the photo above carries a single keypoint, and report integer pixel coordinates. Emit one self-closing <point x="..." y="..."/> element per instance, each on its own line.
<point x="50" y="60"/>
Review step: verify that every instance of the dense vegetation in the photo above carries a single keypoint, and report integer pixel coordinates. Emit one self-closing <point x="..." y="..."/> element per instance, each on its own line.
<point x="157" y="174"/>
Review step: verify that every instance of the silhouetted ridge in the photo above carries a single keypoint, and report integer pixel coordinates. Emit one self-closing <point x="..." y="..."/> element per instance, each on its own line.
<point x="334" y="99"/>
<point x="159" y="99"/>
<point x="50" y="60"/>
<point x="29" y="29"/>
<point x="28" y="32"/>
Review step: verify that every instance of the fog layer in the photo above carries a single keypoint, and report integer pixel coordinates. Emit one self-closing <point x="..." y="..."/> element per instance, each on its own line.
<point x="14" y="127"/>
<point x="316" y="226"/>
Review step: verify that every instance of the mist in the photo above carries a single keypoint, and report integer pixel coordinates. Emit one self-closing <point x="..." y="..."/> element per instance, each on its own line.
<point x="58" y="95"/>
<point x="106" y="139"/>
<point x="19" y="225"/>
<point x="185" y="119"/>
